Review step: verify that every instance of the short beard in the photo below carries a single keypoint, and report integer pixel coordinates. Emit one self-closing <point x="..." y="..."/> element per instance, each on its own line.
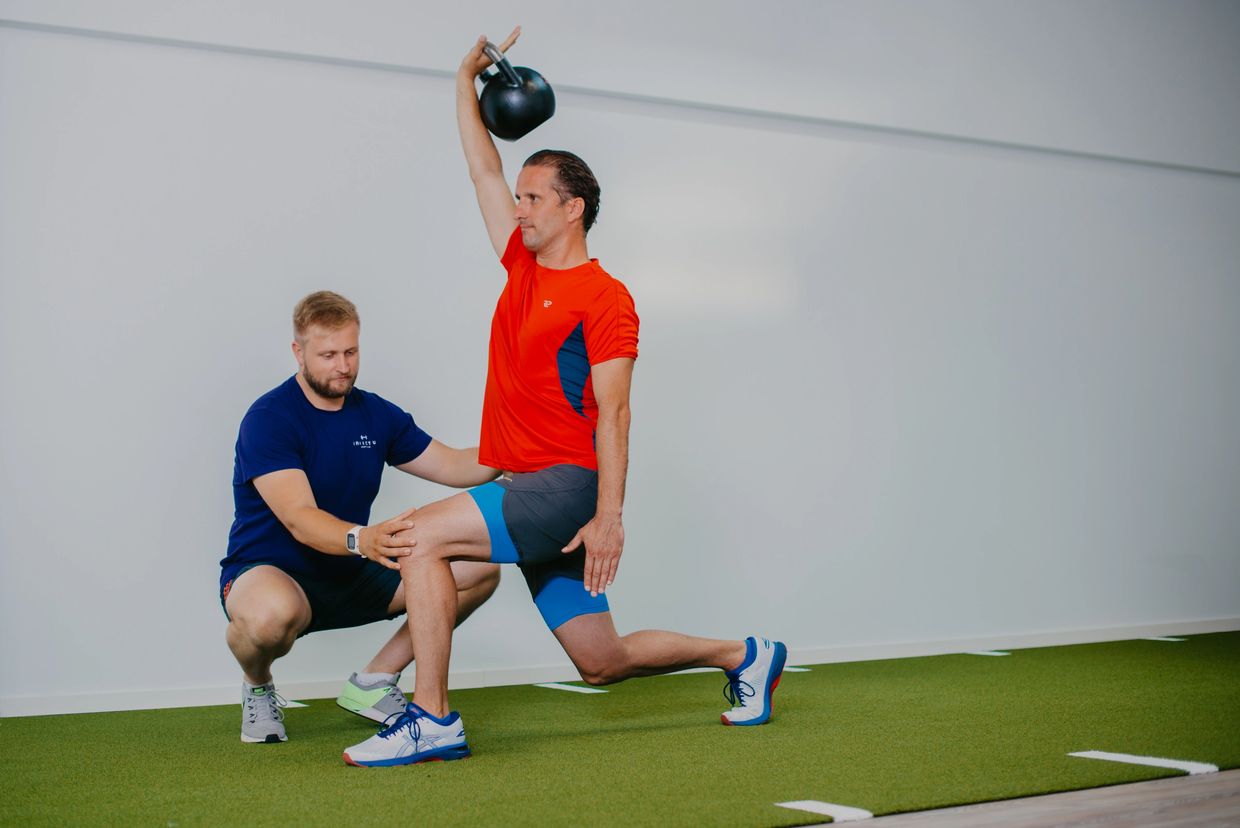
<point x="323" y="390"/>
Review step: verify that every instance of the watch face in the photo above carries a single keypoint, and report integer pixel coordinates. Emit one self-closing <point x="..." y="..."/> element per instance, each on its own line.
<point x="351" y="542"/>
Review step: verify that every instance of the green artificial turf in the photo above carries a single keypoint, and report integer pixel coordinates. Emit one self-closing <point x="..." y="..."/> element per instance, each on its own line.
<point x="886" y="736"/>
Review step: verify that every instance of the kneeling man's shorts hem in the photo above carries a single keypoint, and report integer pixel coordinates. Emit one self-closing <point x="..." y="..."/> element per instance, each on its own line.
<point x="529" y="519"/>
<point x="338" y="603"/>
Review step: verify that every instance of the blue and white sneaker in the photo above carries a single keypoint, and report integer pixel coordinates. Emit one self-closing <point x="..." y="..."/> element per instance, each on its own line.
<point x="751" y="685"/>
<point x="415" y="736"/>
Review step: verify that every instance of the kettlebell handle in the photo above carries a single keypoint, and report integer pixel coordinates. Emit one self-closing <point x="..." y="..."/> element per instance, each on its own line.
<point x="502" y="64"/>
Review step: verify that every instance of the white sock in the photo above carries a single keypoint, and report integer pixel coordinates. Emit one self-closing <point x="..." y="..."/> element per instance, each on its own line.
<point x="375" y="678"/>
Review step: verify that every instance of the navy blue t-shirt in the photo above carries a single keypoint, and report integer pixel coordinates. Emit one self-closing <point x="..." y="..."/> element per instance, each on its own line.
<point x="342" y="453"/>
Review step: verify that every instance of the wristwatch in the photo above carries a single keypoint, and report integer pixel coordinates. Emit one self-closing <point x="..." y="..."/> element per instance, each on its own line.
<point x="353" y="540"/>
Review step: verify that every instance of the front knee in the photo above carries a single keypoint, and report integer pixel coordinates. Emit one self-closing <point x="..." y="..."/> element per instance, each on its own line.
<point x="419" y="557"/>
<point x="270" y="630"/>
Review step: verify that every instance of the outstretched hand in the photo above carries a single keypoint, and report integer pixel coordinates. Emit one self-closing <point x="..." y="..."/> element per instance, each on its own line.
<point x="604" y="541"/>
<point x="477" y="61"/>
<point x="380" y="543"/>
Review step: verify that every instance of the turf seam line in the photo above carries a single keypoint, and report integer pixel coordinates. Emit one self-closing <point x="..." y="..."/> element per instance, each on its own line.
<point x="291" y="703"/>
<point x="1191" y="768"/>
<point x="1165" y="638"/>
<point x="555" y="685"/>
<point x="838" y="813"/>
<point x="796" y="669"/>
<point x="988" y="653"/>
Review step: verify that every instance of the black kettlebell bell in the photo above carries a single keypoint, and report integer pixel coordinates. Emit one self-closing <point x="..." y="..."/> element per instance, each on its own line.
<point x="514" y="100"/>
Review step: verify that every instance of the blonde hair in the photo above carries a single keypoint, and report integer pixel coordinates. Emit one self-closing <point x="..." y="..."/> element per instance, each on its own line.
<point x="325" y="309"/>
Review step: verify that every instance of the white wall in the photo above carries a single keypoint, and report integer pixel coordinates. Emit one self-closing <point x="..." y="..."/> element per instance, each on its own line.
<point x="894" y="388"/>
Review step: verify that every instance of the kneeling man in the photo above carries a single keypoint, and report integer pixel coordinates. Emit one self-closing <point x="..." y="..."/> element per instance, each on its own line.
<point x="301" y="557"/>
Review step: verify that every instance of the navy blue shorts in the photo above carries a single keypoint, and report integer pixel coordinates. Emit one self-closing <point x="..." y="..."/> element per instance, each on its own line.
<point x="530" y="518"/>
<point x="339" y="603"/>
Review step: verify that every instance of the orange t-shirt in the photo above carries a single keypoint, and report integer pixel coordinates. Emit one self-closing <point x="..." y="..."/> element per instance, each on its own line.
<point x="549" y="327"/>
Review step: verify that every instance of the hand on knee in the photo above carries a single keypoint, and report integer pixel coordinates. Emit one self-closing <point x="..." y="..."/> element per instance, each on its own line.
<point x="419" y="557"/>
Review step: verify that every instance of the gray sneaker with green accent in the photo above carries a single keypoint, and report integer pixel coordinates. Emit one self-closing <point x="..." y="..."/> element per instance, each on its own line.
<point x="262" y="720"/>
<point x="380" y="702"/>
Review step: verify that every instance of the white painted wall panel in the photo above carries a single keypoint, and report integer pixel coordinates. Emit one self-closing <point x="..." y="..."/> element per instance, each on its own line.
<point x="1136" y="78"/>
<point x="890" y="389"/>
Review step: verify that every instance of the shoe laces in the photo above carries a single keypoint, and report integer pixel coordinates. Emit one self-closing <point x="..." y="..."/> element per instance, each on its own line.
<point x="406" y="720"/>
<point x="736" y="691"/>
<point x="266" y="706"/>
<point x="395" y="695"/>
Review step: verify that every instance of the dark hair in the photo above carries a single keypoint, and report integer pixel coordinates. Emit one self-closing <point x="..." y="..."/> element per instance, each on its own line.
<point x="574" y="179"/>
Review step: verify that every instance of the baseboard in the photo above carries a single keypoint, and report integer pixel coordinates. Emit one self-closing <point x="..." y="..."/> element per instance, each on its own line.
<point x="228" y="694"/>
<point x="167" y="697"/>
<point x="1022" y="641"/>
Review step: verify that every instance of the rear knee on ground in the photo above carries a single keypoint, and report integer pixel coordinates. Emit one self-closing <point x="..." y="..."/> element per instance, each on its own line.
<point x="602" y="669"/>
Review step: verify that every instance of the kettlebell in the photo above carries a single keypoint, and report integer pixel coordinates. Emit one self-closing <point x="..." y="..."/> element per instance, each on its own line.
<point x="514" y="100"/>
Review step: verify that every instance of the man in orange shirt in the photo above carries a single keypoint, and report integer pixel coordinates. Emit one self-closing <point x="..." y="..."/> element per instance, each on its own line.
<point x="556" y="420"/>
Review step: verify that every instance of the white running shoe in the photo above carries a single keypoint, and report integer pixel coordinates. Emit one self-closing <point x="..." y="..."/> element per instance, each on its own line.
<point x="751" y="685"/>
<point x="416" y="736"/>
<point x="262" y="720"/>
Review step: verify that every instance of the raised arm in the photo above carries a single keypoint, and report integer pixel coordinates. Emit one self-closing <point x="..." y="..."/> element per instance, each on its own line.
<point x="450" y="466"/>
<point x="288" y="494"/>
<point x="485" y="168"/>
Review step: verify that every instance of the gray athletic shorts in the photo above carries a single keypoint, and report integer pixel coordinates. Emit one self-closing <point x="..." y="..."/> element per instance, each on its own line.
<point x="530" y="518"/>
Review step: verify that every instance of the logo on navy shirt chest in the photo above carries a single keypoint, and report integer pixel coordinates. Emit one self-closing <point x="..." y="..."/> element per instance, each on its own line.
<point x="365" y="442"/>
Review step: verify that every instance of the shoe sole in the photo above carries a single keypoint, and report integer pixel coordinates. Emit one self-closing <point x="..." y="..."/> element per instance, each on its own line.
<point x="370" y="713"/>
<point x="269" y="739"/>
<point x="442" y="755"/>
<point x="781" y="656"/>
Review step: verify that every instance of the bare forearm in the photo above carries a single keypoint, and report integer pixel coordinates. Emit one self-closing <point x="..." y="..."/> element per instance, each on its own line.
<point x="480" y="153"/>
<point x="319" y="530"/>
<point x="612" y="448"/>
<point x="465" y="471"/>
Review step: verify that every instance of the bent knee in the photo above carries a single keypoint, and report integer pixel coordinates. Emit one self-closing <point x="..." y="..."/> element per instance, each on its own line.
<point x="488" y="579"/>
<point x="271" y="630"/>
<point x="598" y="672"/>
<point x="422" y="554"/>
<point x="601" y="677"/>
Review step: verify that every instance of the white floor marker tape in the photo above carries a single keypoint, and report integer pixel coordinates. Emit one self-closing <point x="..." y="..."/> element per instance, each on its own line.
<point x="1191" y="768"/>
<point x="552" y="685"/>
<point x="988" y="653"/>
<point x="295" y="704"/>
<point x="838" y="813"/>
<point x="1164" y="638"/>
<point x="796" y="670"/>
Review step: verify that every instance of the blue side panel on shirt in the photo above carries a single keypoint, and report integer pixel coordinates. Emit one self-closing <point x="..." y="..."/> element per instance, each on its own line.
<point x="574" y="367"/>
